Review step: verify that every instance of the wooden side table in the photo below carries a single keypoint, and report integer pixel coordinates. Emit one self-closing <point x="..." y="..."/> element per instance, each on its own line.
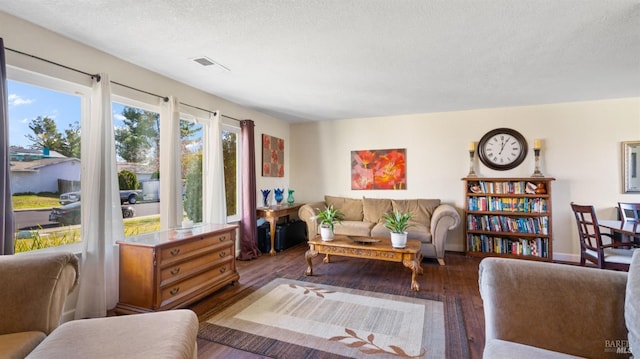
<point x="272" y="213"/>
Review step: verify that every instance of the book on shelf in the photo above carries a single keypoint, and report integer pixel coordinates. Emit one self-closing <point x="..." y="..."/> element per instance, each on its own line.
<point x="537" y="247"/>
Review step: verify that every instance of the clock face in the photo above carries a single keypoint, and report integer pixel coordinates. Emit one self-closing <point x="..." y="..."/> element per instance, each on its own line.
<point x="502" y="149"/>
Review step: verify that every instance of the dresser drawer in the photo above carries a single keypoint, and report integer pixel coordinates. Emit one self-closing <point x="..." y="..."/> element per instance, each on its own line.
<point x="181" y="289"/>
<point x="181" y="269"/>
<point x="184" y="249"/>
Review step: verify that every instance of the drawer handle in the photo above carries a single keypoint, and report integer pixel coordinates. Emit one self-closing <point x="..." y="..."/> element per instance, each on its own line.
<point x="223" y="254"/>
<point x="223" y="269"/>
<point x="175" y="251"/>
<point x="174" y="290"/>
<point x="175" y="270"/>
<point x="223" y="238"/>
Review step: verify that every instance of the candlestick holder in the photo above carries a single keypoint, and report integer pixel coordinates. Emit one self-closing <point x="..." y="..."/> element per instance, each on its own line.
<point x="472" y="173"/>
<point x="537" y="172"/>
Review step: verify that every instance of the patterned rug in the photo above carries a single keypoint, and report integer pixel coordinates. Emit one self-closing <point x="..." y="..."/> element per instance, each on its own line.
<point x="297" y="318"/>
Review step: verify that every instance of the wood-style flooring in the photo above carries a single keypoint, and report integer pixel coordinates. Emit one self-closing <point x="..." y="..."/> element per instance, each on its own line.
<point x="459" y="277"/>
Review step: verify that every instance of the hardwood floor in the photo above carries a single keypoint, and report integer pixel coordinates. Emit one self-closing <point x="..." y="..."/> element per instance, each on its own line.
<point x="459" y="277"/>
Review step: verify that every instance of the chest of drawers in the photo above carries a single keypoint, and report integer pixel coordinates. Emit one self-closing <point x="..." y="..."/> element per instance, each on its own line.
<point x="173" y="268"/>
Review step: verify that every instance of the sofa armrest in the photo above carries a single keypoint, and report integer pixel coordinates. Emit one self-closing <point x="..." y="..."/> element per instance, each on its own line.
<point x="444" y="218"/>
<point x="558" y="307"/>
<point x="307" y="213"/>
<point x="34" y="289"/>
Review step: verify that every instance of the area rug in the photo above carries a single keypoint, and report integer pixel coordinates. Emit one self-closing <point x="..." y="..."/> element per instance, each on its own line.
<point x="289" y="318"/>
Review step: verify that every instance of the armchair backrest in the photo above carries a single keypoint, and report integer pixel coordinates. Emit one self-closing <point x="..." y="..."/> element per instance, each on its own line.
<point x="35" y="287"/>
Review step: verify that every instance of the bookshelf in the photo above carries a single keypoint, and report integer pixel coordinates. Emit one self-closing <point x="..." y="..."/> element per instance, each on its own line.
<point x="509" y="217"/>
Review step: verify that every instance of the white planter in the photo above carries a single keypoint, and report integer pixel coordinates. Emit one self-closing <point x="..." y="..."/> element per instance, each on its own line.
<point x="398" y="240"/>
<point x="326" y="234"/>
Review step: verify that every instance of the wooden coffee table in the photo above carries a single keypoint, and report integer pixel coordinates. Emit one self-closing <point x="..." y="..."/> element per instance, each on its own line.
<point x="369" y="248"/>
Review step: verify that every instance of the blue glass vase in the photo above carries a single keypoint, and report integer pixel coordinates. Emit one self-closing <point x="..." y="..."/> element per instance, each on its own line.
<point x="278" y="196"/>
<point x="265" y="197"/>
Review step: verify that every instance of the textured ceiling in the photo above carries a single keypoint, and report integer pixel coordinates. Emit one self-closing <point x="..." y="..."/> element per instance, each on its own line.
<point x="310" y="60"/>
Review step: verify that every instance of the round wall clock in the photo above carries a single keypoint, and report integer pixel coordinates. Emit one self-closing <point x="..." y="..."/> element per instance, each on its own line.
<point x="502" y="149"/>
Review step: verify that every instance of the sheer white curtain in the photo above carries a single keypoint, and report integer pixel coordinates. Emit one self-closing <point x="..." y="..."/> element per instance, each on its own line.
<point x="170" y="181"/>
<point x="102" y="222"/>
<point x="214" y="201"/>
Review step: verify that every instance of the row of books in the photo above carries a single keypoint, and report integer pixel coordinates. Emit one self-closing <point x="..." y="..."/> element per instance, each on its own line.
<point x="527" y="205"/>
<point x="507" y="187"/>
<point x="535" y="225"/>
<point x="538" y="247"/>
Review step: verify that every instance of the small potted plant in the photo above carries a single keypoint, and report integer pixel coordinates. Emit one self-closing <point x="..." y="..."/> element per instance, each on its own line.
<point x="328" y="217"/>
<point x="398" y="222"/>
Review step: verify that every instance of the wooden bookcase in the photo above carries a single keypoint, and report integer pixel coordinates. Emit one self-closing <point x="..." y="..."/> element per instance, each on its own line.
<point x="509" y="217"/>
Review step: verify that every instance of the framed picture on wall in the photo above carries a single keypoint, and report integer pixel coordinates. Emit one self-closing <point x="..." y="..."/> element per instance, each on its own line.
<point x="379" y="169"/>
<point x="272" y="156"/>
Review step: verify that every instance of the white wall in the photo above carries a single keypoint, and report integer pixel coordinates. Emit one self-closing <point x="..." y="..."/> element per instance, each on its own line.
<point x="581" y="149"/>
<point x="34" y="40"/>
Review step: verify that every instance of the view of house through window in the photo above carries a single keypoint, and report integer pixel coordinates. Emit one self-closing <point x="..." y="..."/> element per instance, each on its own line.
<point x="44" y="136"/>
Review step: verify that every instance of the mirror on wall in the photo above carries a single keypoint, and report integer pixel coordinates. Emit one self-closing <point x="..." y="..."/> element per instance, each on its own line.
<point x="631" y="166"/>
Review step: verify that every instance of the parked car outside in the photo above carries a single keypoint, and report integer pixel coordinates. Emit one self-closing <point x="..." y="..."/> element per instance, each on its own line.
<point x="130" y="196"/>
<point x="70" y="214"/>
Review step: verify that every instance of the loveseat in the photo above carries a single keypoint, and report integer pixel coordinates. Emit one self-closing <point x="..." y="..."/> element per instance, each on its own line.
<point x="35" y="287"/>
<point x="545" y="310"/>
<point x="431" y="221"/>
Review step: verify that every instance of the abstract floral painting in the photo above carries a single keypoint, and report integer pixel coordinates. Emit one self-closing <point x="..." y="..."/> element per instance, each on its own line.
<point x="272" y="156"/>
<point x="379" y="169"/>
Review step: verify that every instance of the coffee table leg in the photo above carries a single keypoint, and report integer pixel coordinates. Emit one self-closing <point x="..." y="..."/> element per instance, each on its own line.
<point x="309" y="255"/>
<point x="326" y="258"/>
<point x="415" y="267"/>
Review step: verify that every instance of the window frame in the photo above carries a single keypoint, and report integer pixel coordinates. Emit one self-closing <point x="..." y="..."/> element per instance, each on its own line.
<point x="47" y="82"/>
<point x="236" y="129"/>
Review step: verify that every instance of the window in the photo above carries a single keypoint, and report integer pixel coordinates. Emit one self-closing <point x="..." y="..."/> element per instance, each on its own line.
<point x="231" y="155"/>
<point x="45" y="117"/>
<point x="137" y="143"/>
<point x="191" y="145"/>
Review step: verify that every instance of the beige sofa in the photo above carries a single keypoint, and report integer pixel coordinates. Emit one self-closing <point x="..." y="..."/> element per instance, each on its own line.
<point x="431" y="221"/>
<point x="544" y="310"/>
<point x="35" y="287"/>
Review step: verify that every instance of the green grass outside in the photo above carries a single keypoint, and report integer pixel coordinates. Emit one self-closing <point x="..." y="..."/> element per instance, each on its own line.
<point x="38" y="239"/>
<point x="36" y="201"/>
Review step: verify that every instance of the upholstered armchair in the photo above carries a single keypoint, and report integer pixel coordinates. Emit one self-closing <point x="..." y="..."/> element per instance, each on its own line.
<point x="34" y="290"/>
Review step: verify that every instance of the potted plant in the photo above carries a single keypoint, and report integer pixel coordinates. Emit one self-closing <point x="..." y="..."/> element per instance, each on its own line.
<point x="328" y="217"/>
<point x="398" y="222"/>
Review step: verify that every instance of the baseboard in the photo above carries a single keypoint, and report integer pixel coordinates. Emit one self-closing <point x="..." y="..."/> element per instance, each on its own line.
<point x="566" y="257"/>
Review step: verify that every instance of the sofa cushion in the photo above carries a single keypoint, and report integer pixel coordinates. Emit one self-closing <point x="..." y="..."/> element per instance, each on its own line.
<point x="497" y="348"/>
<point x="351" y="208"/>
<point x="421" y="209"/>
<point x="168" y="334"/>
<point x="18" y="345"/>
<point x="632" y="303"/>
<point x="353" y="228"/>
<point x="374" y="208"/>
<point x="418" y="231"/>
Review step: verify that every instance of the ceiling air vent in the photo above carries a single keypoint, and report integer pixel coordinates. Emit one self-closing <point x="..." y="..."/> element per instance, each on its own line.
<point x="204" y="61"/>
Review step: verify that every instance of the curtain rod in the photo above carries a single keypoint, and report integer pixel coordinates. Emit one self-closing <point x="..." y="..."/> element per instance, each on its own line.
<point x="205" y="110"/>
<point x="93" y="76"/>
<point x="97" y="78"/>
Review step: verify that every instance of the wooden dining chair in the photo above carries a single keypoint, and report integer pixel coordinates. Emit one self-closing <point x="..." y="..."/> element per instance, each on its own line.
<point x="630" y="213"/>
<point x="609" y="254"/>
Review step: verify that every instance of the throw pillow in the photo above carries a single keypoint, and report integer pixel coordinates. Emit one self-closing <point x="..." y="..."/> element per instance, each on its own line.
<point x="374" y="208"/>
<point x="351" y="208"/>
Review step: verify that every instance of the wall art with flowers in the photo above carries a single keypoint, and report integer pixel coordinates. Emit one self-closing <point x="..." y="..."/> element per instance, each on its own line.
<point x="272" y="156"/>
<point x="379" y="169"/>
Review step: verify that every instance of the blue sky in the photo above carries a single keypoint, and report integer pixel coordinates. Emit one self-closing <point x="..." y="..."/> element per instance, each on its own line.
<point x="27" y="102"/>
